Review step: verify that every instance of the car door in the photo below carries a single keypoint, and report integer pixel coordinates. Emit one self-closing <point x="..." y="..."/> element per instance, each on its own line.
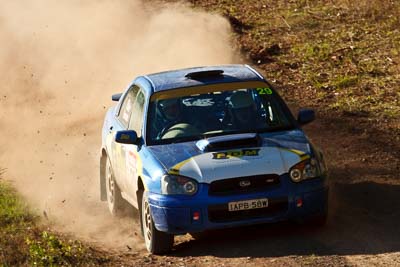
<point x="118" y="150"/>
<point x="132" y="160"/>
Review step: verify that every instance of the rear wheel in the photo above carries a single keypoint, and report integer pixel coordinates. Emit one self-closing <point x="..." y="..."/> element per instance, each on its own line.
<point x="157" y="242"/>
<point x="114" y="199"/>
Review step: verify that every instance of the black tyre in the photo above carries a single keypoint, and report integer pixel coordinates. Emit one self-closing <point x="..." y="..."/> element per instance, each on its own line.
<point x="140" y="200"/>
<point x="156" y="242"/>
<point x="116" y="204"/>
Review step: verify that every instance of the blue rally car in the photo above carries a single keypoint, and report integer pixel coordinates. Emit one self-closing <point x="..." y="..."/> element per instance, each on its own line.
<point x="207" y="148"/>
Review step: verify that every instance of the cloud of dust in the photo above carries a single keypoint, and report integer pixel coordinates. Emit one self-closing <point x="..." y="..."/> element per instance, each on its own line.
<point x="60" y="61"/>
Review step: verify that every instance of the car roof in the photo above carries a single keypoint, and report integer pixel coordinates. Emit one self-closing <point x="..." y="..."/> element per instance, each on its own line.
<point x="190" y="77"/>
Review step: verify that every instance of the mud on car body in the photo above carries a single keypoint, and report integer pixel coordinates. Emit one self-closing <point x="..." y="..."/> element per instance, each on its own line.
<point x="207" y="148"/>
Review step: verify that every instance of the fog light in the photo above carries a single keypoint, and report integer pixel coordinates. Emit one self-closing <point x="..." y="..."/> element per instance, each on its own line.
<point x="299" y="202"/>
<point x="196" y="216"/>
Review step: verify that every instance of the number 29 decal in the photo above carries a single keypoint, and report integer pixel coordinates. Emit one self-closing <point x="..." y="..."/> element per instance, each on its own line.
<point x="264" y="91"/>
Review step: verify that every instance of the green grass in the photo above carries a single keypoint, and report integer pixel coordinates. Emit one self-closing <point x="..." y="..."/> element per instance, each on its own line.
<point x="14" y="221"/>
<point x="12" y="209"/>
<point x="345" y="81"/>
<point x="49" y="250"/>
<point x="24" y="242"/>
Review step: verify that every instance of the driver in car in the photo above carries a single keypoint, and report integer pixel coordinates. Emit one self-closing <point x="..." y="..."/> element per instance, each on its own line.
<point x="170" y="109"/>
<point x="242" y="112"/>
<point x="174" y="122"/>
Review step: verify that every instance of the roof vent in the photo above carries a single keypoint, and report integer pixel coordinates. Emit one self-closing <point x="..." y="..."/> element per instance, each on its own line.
<point x="204" y="74"/>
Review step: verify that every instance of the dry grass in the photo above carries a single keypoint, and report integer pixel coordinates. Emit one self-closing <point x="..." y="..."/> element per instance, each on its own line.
<point x="373" y="9"/>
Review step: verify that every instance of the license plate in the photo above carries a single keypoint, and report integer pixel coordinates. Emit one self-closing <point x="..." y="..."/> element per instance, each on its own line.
<point x="248" y="204"/>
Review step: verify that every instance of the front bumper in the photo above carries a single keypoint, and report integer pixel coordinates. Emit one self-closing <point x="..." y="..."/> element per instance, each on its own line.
<point x="174" y="214"/>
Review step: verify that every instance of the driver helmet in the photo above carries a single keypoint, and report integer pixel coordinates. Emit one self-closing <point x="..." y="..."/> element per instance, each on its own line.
<point x="242" y="107"/>
<point x="170" y="108"/>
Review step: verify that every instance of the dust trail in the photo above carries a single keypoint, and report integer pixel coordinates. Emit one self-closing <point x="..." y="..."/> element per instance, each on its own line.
<point x="59" y="63"/>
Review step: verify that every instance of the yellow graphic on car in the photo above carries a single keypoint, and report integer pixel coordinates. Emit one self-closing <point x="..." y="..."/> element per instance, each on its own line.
<point x="236" y="153"/>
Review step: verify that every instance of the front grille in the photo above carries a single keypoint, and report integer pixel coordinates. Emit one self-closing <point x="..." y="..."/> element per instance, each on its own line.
<point x="220" y="213"/>
<point x="243" y="184"/>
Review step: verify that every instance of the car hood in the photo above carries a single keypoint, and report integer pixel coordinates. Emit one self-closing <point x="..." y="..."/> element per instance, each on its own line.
<point x="276" y="154"/>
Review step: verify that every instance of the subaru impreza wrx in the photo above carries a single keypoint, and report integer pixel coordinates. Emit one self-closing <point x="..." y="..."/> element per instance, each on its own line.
<point x="206" y="148"/>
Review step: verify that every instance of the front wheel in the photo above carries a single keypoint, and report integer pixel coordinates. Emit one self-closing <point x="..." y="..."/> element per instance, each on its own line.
<point x="157" y="242"/>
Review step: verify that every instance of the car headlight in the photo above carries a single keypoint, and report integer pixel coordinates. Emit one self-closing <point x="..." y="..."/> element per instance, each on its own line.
<point x="304" y="170"/>
<point x="178" y="185"/>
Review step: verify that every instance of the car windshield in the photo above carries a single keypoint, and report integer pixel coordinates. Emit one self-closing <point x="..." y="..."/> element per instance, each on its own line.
<point x="196" y="116"/>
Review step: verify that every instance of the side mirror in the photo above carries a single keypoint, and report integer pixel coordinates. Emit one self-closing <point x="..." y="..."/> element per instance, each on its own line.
<point x="305" y="116"/>
<point x="116" y="97"/>
<point x="126" y="137"/>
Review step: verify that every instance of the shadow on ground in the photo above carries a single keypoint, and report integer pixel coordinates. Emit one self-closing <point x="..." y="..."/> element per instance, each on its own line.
<point x="364" y="219"/>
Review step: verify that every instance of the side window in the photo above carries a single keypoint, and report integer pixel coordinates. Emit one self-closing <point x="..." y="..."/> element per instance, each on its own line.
<point x="127" y="106"/>
<point x="136" y="120"/>
<point x="274" y="113"/>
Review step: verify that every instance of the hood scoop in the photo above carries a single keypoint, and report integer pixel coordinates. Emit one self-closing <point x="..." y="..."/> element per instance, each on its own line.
<point x="229" y="142"/>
